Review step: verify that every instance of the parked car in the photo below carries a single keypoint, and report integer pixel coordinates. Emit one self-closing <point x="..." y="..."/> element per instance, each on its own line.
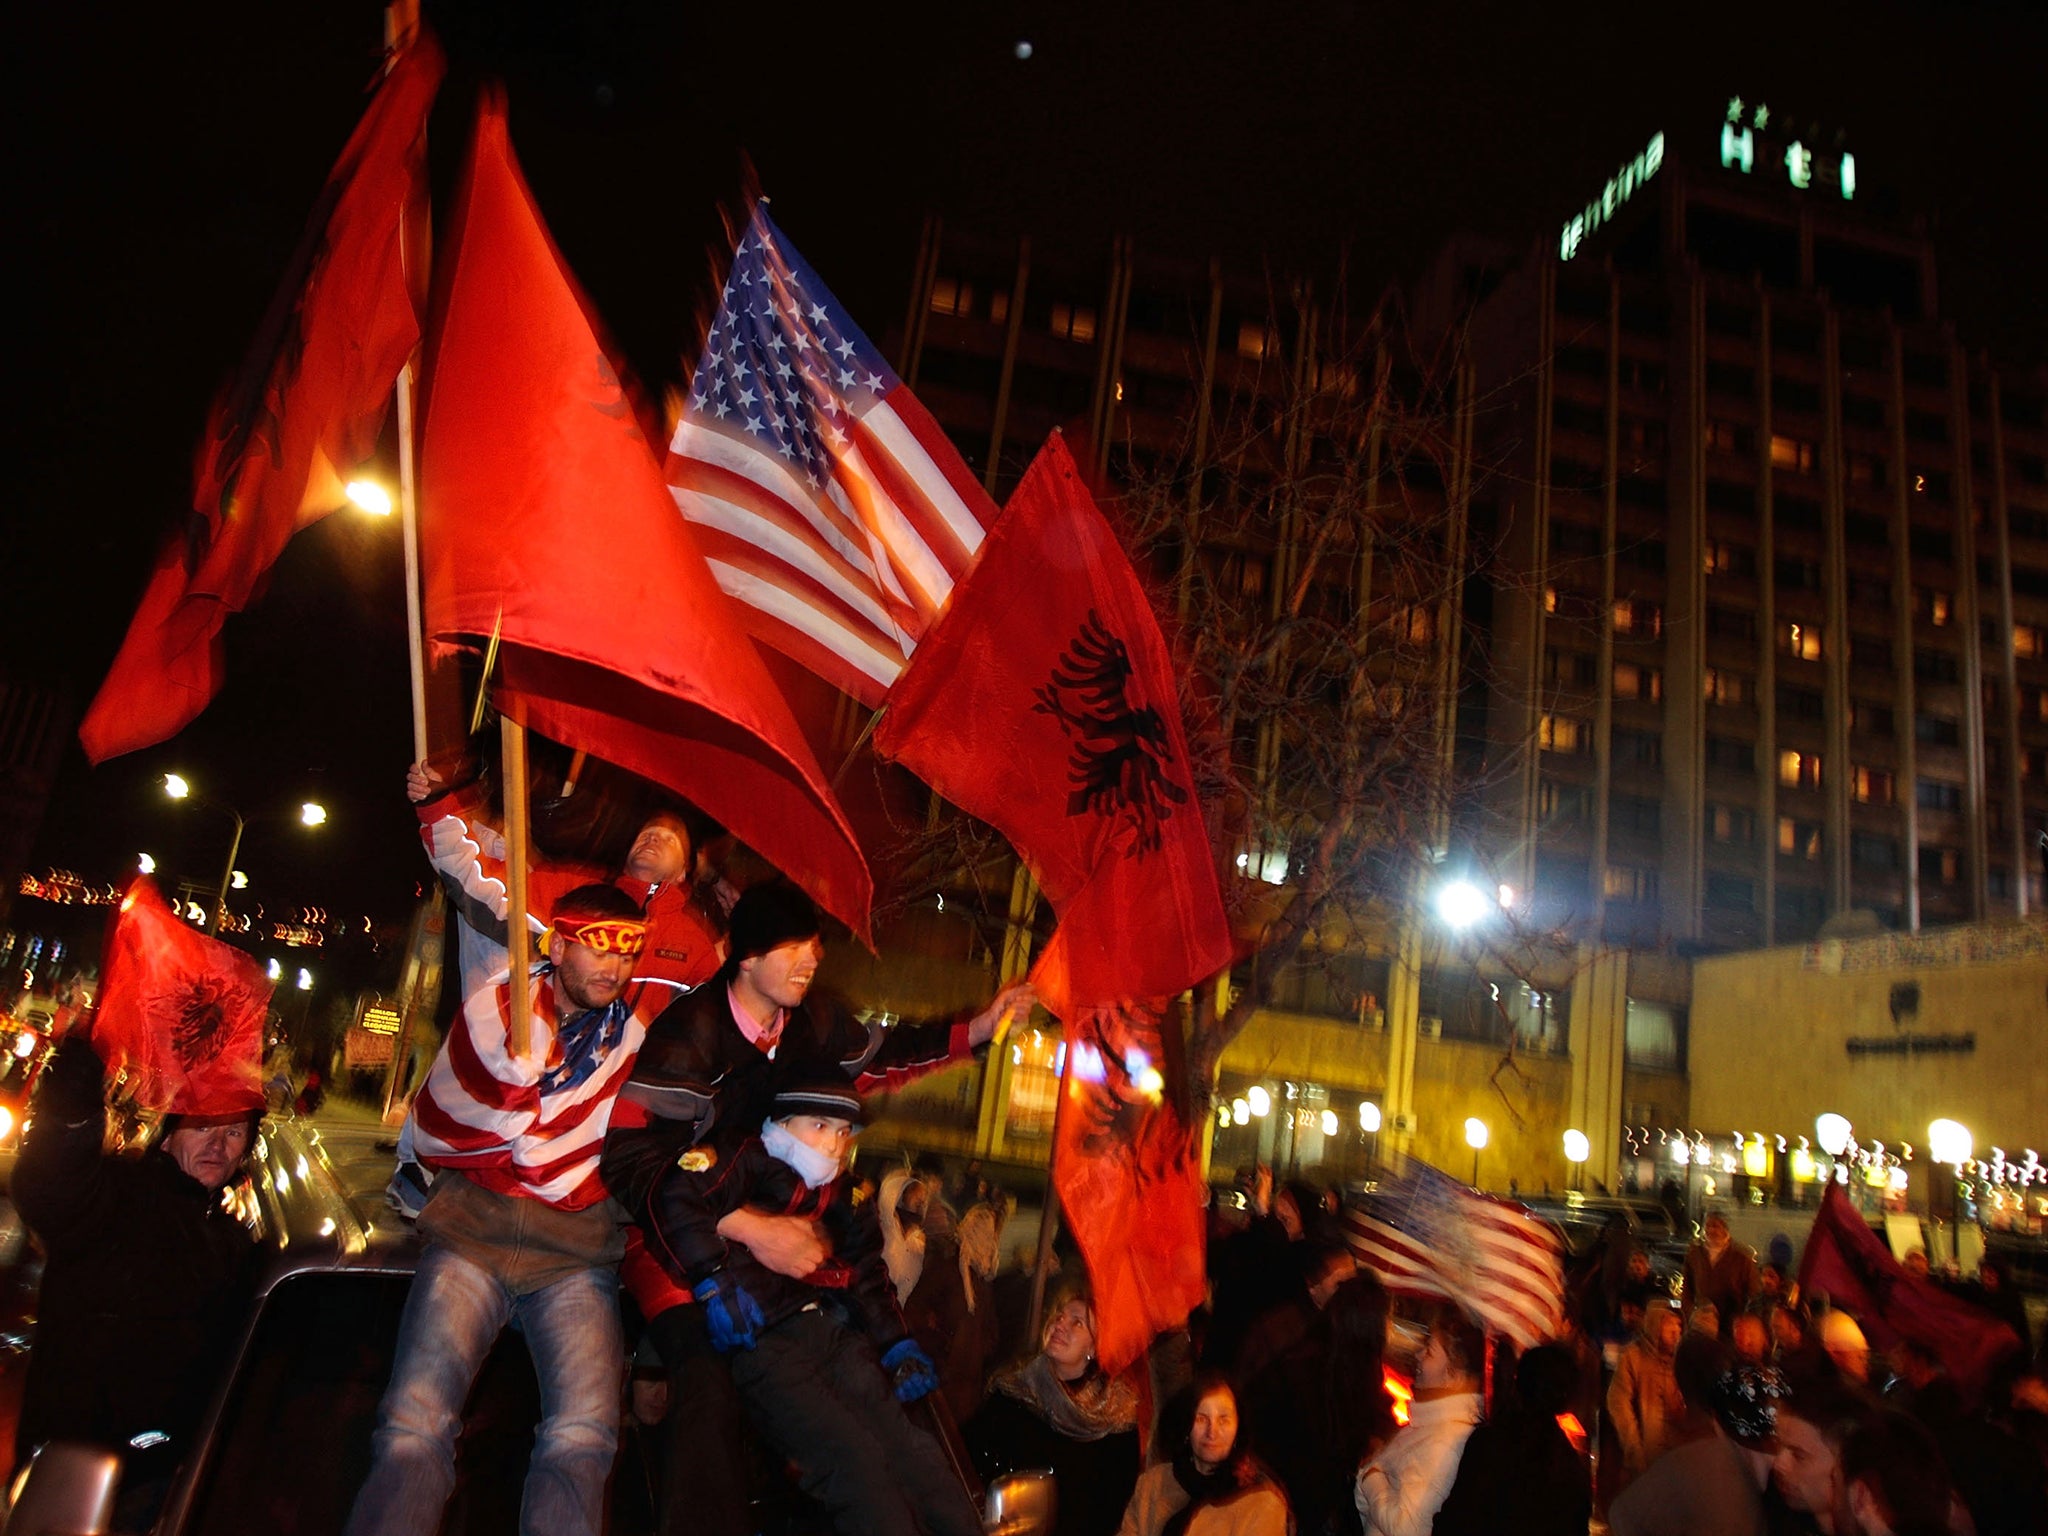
<point x="286" y="1442"/>
<point x="1583" y="1218"/>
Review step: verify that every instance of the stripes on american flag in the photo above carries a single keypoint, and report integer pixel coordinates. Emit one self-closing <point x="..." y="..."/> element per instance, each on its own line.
<point x="1425" y="1234"/>
<point x="827" y="500"/>
<point x="482" y="1110"/>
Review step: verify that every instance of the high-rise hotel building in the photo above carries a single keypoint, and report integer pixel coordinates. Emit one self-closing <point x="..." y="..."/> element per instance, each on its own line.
<point x="1765" y="633"/>
<point x="1784" y="652"/>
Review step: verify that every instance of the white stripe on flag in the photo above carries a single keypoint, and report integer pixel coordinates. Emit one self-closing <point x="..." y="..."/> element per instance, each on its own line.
<point x="743" y="459"/>
<point x="786" y="549"/>
<point x="909" y="454"/>
<point x="807" y="619"/>
<point x="914" y="558"/>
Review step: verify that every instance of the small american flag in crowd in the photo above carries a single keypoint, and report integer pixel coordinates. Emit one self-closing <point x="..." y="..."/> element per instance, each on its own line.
<point x="828" y="501"/>
<point x="1425" y="1234"/>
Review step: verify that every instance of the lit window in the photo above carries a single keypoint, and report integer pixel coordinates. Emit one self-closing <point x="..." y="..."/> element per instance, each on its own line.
<point x="1076" y="322"/>
<point x="1634" y="682"/>
<point x="1625" y="882"/>
<point x="1632" y="616"/>
<point x="1799" y="770"/>
<point x="998" y="307"/>
<point x="1791" y="453"/>
<point x="1255" y="340"/>
<point x="1561" y="733"/>
<point x="950" y="296"/>
<point x="2029" y="641"/>
<point x="1722" y="686"/>
<point x="1871" y="786"/>
<point x="1935" y="606"/>
<point x="1800" y="839"/>
<point x="1800" y="639"/>
<point x="1550" y="599"/>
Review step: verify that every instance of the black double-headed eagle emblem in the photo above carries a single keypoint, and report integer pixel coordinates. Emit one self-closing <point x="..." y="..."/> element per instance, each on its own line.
<point x="1120" y="760"/>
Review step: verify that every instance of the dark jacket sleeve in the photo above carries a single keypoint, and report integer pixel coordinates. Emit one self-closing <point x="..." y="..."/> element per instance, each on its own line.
<point x="686" y="1207"/>
<point x="59" y="1184"/>
<point x="667" y="1105"/>
<point x="879" y="1058"/>
<point x="856" y="1232"/>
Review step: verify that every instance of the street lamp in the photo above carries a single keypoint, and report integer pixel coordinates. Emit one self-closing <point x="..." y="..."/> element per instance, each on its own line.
<point x="368" y="496"/>
<point x="1577" y="1148"/>
<point x="147" y="864"/>
<point x="1949" y="1141"/>
<point x="1475" y="1138"/>
<point x="178" y="787"/>
<point x="1260" y="1100"/>
<point x="1460" y="904"/>
<point x="1369" y="1122"/>
<point x="1832" y="1132"/>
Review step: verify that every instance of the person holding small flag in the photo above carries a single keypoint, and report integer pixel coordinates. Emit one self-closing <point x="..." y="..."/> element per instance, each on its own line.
<point x="145" y="1260"/>
<point x="519" y="1230"/>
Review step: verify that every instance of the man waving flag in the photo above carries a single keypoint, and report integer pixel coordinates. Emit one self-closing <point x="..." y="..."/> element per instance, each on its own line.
<point x="828" y="501"/>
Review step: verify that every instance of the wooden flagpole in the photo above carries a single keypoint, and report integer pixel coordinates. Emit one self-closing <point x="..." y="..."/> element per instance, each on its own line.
<point x="1048" y="1222"/>
<point x="409" y="515"/>
<point x="518" y="947"/>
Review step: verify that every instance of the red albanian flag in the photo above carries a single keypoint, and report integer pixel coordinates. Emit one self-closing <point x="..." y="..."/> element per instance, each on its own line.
<point x="544" y="516"/>
<point x="1044" y="703"/>
<point x="1130" y="1183"/>
<point x="1846" y="1259"/>
<point x="306" y="408"/>
<point x="181" y="1012"/>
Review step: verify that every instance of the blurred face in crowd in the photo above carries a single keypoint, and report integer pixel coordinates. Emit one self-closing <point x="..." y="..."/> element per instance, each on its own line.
<point x="589" y="978"/>
<point x="1804" y="1468"/>
<point x="1337" y="1268"/>
<point x="661" y="852"/>
<point x="1717" y="1231"/>
<point x="1915" y="1262"/>
<point x="212" y="1154"/>
<point x="1751" y="1340"/>
<point x="1639" y="1265"/>
<point x="1215" y="1430"/>
<point x="1769" y="1283"/>
<point x="783" y="975"/>
<point x="1070" y="1340"/>
<point x="1434" y="1367"/>
<point x="1287" y="1213"/>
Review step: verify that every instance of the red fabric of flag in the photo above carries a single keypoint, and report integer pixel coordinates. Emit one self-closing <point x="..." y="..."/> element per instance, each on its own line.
<point x="182" y="1013"/>
<point x="305" y="409"/>
<point x="544" y="516"/>
<point x="1849" y="1262"/>
<point x="1044" y="703"/>
<point x="1129" y="1182"/>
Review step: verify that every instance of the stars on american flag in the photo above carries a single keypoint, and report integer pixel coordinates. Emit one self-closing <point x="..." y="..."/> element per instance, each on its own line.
<point x="785" y="365"/>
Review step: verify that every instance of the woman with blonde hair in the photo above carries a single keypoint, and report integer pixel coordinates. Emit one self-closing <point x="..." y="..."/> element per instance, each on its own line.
<point x="1059" y="1410"/>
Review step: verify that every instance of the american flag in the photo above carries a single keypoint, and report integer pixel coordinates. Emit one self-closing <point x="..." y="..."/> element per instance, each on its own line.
<point x="1425" y="1234"/>
<point x="827" y="500"/>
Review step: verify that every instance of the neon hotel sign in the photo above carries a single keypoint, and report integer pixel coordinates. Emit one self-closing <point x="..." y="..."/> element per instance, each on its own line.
<point x="1746" y="131"/>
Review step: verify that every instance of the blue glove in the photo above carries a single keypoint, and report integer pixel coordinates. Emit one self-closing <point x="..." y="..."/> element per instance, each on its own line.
<point x="730" y="1312"/>
<point x="910" y="1370"/>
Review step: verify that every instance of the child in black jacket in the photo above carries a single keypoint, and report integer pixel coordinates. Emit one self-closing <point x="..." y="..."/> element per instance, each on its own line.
<point x="813" y="1386"/>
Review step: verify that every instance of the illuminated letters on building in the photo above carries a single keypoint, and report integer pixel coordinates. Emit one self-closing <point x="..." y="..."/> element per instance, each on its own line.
<point x="1621" y="186"/>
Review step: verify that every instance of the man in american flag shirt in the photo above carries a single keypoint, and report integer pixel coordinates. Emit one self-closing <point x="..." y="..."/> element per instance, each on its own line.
<point x="519" y="1230"/>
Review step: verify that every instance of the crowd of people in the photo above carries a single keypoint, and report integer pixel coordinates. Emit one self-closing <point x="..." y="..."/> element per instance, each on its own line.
<point x="659" y="1195"/>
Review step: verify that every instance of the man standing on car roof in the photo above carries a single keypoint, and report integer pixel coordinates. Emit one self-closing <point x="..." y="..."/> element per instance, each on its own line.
<point x="519" y="1230"/>
<point x="706" y="1079"/>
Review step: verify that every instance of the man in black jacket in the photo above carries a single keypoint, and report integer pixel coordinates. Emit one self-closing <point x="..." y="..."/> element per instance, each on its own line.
<point x="708" y="1074"/>
<point x="145" y="1266"/>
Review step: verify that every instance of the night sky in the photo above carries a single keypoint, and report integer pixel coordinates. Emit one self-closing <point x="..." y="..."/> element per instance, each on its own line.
<point x="165" y="159"/>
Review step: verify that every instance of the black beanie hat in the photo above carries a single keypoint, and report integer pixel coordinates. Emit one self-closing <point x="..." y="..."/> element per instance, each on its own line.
<point x="834" y="1100"/>
<point x="769" y="915"/>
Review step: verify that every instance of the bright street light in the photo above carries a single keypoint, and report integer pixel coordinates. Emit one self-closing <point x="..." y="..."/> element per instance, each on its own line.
<point x="1949" y="1142"/>
<point x="1260" y="1100"/>
<point x="368" y="496"/>
<point x="275" y="970"/>
<point x="1577" y="1147"/>
<point x="1832" y="1132"/>
<point x="176" y="787"/>
<point x="305" y="979"/>
<point x="1368" y="1116"/>
<point x="238" y="881"/>
<point x="1475" y="1134"/>
<point x="1240" y="1112"/>
<point x="147" y="864"/>
<point x="313" y="814"/>
<point x="1329" y="1122"/>
<point x="1460" y="904"/>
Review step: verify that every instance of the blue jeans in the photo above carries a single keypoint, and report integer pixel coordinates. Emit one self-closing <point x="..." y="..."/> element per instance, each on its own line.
<point x="455" y="1313"/>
